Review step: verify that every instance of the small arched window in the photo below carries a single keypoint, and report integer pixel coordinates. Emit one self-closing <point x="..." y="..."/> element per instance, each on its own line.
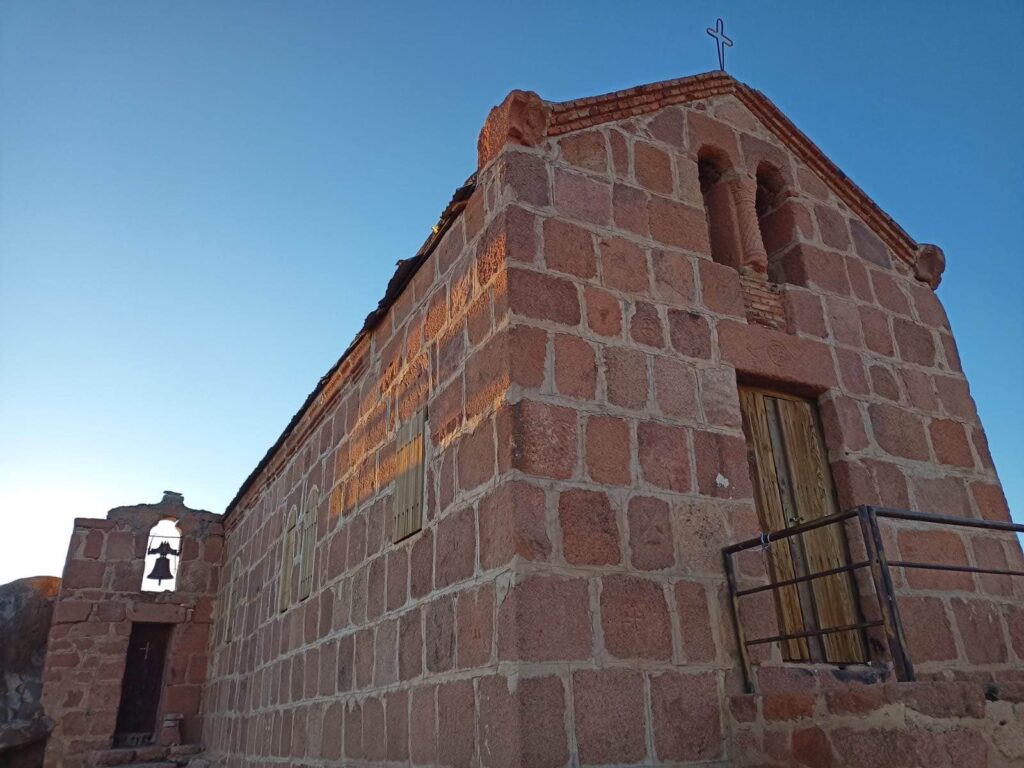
<point x="713" y="168"/>
<point x="308" y="520"/>
<point x="163" y="551"/>
<point x="774" y="222"/>
<point x="284" y="596"/>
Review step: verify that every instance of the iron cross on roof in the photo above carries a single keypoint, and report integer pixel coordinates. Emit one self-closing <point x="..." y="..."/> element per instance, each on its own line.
<point x="721" y="41"/>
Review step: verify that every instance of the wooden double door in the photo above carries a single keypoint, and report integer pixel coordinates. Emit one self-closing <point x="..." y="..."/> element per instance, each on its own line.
<point x="793" y="485"/>
<point x="142" y="684"/>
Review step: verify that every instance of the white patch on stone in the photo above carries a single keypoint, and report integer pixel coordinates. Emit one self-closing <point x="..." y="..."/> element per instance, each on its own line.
<point x="722" y="481"/>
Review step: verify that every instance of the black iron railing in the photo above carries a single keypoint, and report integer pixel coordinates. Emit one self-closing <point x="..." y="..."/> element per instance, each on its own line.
<point x="875" y="560"/>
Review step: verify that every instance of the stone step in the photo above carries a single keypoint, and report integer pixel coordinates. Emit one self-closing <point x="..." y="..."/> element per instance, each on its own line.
<point x="153" y="755"/>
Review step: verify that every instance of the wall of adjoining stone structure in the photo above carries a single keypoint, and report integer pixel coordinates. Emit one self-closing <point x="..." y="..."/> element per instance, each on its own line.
<point x="100" y="597"/>
<point x="579" y="352"/>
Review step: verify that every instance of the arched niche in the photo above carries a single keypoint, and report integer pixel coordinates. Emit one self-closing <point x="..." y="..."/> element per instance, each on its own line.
<point x="774" y="221"/>
<point x="714" y="172"/>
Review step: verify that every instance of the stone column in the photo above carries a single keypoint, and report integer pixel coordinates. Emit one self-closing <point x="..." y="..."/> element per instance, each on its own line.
<point x="753" y="259"/>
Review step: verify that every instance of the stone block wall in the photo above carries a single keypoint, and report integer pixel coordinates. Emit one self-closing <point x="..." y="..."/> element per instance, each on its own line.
<point x="100" y="597"/>
<point x="901" y="725"/>
<point x="641" y="338"/>
<point x="579" y="351"/>
<point x="393" y="652"/>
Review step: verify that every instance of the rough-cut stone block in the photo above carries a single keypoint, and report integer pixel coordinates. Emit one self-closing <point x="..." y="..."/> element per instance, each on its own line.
<point x="678" y="225"/>
<point x="474" y="618"/>
<point x="722" y="468"/>
<point x="776" y="356"/>
<point x="950" y="443"/>
<point x="604" y="315"/>
<point x="898" y="432"/>
<point x="543" y="297"/>
<point x="663" y="452"/>
<point x="609" y="705"/>
<point x="690" y="333"/>
<point x="543" y="439"/>
<point x="522" y="722"/>
<point x="673" y="277"/>
<point x="512" y="523"/>
<point x="625" y="375"/>
<point x="687" y="716"/>
<point x="915" y="344"/>
<point x="634" y="618"/>
<point x="651" y="544"/>
<point x="582" y="197"/>
<point x="675" y="389"/>
<point x="575" y="367"/>
<point x="653" y="168"/>
<point x="981" y="630"/>
<point x="456" y="547"/>
<point x="590" y="533"/>
<point x="629" y="209"/>
<point x="456" y="723"/>
<point x="569" y="248"/>
<point x="624" y="266"/>
<point x="439" y="634"/>
<point x="545" y="618"/>
<point x="928" y="631"/>
<point x="645" y="326"/>
<point x="720" y="288"/>
<point x="695" y="622"/>
<point x="868" y="244"/>
<point x="586" y="150"/>
<point x="608" y="450"/>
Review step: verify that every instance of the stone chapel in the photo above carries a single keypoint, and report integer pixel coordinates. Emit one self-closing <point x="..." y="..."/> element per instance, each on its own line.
<point x="644" y="458"/>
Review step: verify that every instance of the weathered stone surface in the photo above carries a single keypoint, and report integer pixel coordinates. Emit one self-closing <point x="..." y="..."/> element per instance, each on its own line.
<point x="26" y="608"/>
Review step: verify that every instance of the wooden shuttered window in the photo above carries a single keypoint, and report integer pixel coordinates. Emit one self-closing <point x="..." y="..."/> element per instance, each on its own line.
<point x="308" y="533"/>
<point x="284" y="595"/>
<point x="411" y="448"/>
<point x="793" y="484"/>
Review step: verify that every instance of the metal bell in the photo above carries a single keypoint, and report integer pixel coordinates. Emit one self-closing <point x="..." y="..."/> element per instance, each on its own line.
<point x="162" y="567"/>
<point x="161" y="570"/>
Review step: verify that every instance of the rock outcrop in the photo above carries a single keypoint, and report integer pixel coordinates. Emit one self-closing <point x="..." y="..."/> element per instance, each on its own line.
<point x="26" y="609"/>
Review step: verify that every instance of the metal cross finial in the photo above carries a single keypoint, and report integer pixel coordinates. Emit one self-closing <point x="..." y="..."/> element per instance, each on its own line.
<point x="721" y="41"/>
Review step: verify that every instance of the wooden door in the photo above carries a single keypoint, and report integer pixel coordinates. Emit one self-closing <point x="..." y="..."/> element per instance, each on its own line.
<point x="142" y="683"/>
<point x="793" y="485"/>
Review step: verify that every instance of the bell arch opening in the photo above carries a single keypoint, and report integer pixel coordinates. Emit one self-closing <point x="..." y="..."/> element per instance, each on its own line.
<point x="714" y="171"/>
<point x="774" y="222"/>
<point x="163" y="552"/>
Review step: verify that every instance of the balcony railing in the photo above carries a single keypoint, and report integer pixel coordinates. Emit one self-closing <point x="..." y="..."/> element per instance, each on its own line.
<point x="875" y="560"/>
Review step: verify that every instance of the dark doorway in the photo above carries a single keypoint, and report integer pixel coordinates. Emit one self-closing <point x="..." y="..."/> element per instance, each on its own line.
<point x="142" y="683"/>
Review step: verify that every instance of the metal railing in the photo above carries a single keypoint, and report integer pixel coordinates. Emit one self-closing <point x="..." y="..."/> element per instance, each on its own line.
<point x="876" y="560"/>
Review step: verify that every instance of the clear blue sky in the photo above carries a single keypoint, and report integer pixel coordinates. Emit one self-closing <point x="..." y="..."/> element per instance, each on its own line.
<point x="200" y="201"/>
